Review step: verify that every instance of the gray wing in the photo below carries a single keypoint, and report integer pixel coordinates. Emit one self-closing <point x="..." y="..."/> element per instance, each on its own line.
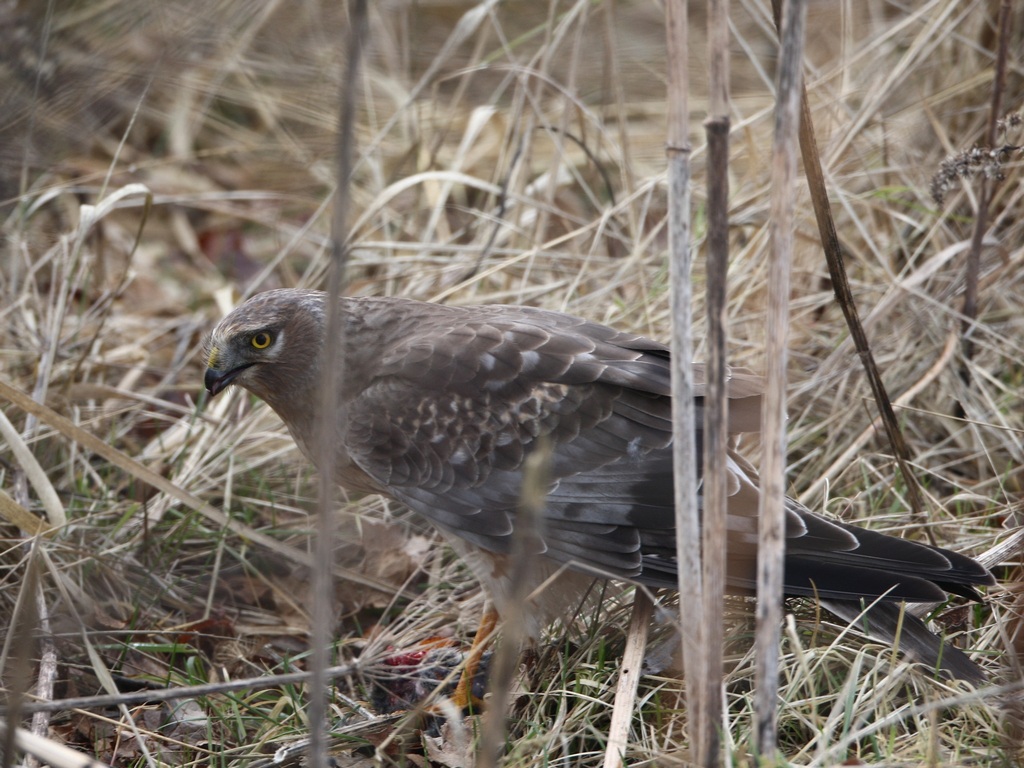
<point x="464" y="395"/>
<point x="458" y="404"/>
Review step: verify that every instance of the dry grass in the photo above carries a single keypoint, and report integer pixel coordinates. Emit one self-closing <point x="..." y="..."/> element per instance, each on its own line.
<point x="507" y="153"/>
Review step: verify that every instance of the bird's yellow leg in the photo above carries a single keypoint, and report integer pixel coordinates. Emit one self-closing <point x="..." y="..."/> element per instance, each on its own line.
<point x="463" y="696"/>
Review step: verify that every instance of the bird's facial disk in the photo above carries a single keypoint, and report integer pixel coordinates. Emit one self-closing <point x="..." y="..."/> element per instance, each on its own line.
<point x="230" y="358"/>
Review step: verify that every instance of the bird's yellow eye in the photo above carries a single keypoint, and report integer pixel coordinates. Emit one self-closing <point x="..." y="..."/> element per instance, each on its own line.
<point x="261" y="340"/>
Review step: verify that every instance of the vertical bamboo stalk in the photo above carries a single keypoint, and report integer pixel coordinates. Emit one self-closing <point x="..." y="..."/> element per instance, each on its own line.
<point x="684" y="427"/>
<point x="716" y="415"/>
<point x="771" y="504"/>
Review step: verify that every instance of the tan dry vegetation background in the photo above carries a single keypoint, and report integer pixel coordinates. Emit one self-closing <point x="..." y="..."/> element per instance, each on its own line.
<point x="507" y="152"/>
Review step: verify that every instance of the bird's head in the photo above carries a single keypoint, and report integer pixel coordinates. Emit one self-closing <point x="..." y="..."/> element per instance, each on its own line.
<point x="270" y="345"/>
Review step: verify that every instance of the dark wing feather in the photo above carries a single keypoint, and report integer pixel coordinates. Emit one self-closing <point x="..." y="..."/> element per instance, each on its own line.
<point x="888" y="621"/>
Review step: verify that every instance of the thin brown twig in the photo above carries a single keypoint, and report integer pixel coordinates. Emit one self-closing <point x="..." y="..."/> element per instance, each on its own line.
<point x="970" y="308"/>
<point x="182" y="692"/>
<point x="844" y="297"/>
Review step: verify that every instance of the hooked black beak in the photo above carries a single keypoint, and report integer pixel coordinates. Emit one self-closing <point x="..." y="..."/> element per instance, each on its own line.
<point x="216" y="381"/>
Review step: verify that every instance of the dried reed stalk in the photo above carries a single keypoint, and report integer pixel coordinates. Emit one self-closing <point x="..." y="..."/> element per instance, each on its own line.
<point x="630" y="670"/>
<point x="772" y="501"/>
<point x="330" y="384"/>
<point x="683" y="410"/>
<point x="716" y="417"/>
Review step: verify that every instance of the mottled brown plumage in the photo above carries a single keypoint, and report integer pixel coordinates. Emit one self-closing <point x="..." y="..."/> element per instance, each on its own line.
<point x="445" y="403"/>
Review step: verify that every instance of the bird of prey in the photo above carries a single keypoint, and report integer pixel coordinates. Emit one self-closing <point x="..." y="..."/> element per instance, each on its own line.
<point x="441" y="406"/>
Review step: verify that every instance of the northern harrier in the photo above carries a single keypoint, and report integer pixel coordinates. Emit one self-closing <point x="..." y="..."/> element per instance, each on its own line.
<point x="443" y="405"/>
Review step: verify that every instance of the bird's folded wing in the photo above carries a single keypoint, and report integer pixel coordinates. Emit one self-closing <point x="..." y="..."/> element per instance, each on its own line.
<point x="450" y="416"/>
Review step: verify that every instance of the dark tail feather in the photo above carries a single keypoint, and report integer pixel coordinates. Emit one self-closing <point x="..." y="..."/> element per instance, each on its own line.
<point x="881" y="620"/>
